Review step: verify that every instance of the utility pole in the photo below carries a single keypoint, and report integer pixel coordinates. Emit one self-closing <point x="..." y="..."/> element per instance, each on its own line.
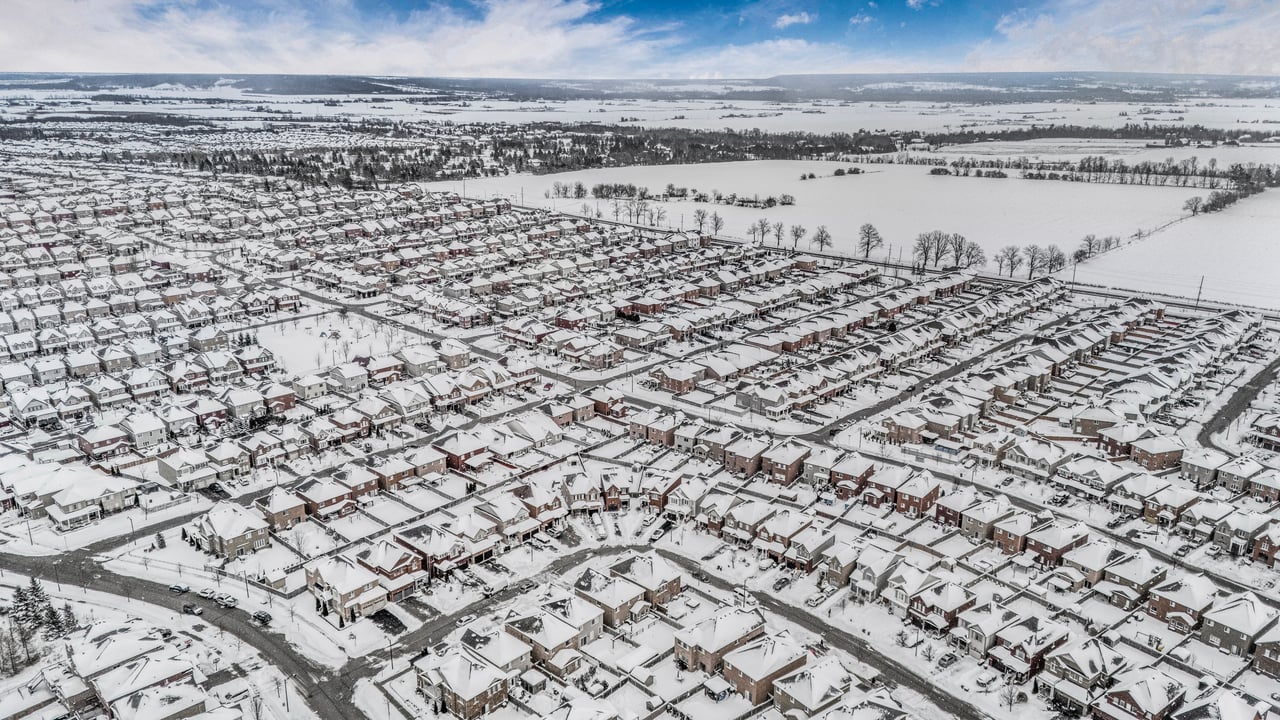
<point x="1198" y="289"/>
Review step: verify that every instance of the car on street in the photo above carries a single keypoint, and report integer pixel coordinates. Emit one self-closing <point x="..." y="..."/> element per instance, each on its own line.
<point x="526" y="586"/>
<point x="178" y="588"/>
<point x="226" y="601"/>
<point x="466" y="620"/>
<point x="487" y="590"/>
<point x="657" y="534"/>
<point x="262" y="617"/>
<point x="207" y="593"/>
<point x="192" y="609"/>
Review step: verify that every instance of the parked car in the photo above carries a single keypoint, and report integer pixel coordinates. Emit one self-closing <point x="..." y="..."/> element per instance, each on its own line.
<point x="192" y="609"/>
<point x="657" y="534"/>
<point x="985" y="680"/>
<point x="262" y="617"/>
<point x="466" y="620"/>
<point x="1183" y="551"/>
<point x="207" y="593"/>
<point x="178" y="588"/>
<point x="781" y="583"/>
<point x="226" y="601"/>
<point x="815" y="600"/>
<point x="947" y="660"/>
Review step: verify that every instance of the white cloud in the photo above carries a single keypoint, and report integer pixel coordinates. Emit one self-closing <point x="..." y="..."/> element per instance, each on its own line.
<point x="1181" y="36"/>
<point x="800" y="18"/>
<point x="915" y="4"/>
<point x="512" y="38"/>
<point x="570" y="38"/>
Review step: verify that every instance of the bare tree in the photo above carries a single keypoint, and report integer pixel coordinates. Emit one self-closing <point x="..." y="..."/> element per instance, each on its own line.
<point x="924" y="246"/>
<point x="1055" y="259"/>
<point x="797" y="234"/>
<point x="1090" y="245"/>
<point x="1010" y="257"/>
<point x="659" y="215"/>
<point x="869" y="239"/>
<point x="778" y="229"/>
<point x="717" y="223"/>
<point x="822" y="238"/>
<point x="1193" y="205"/>
<point x="956" y="244"/>
<point x="1036" y="258"/>
<point x="700" y="218"/>
<point x="973" y="256"/>
<point x="762" y="227"/>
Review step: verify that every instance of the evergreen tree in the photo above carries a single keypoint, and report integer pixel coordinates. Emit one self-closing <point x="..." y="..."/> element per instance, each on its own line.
<point x="69" y="620"/>
<point x="52" y="624"/>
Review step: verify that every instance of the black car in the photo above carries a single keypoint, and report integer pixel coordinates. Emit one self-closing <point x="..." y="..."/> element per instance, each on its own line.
<point x="262" y="617"/>
<point x="947" y="660"/>
<point x="781" y="583"/>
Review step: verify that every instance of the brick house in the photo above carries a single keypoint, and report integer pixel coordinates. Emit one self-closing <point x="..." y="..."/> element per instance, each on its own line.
<point x="704" y="645"/>
<point x="467" y="685"/>
<point x="282" y="509"/>
<point x="228" y="530"/>
<point x="1182" y="602"/>
<point x="751" y="669"/>
<point x="660" y="579"/>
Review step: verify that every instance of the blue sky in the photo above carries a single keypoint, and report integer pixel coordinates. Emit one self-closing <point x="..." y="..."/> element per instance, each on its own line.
<point x="634" y="38"/>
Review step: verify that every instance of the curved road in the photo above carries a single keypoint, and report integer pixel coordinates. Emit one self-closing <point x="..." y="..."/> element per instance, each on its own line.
<point x="329" y="693"/>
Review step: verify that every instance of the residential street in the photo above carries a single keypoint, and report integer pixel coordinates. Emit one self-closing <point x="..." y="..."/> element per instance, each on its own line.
<point x="329" y="692"/>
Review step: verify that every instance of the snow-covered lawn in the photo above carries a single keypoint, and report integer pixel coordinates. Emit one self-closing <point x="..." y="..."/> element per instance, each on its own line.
<point x="316" y="344"/>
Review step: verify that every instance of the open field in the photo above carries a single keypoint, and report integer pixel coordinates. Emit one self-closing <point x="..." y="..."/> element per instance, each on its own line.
<point x="901" y="201"/>
<point x="1235" y="251"/>
<point x="235" y="106"/>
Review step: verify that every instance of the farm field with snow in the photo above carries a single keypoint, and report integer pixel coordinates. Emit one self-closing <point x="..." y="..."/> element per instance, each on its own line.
<point x="900" y="200"/>
<point x="1236" y="252"/>
<point x="234" y="106"/>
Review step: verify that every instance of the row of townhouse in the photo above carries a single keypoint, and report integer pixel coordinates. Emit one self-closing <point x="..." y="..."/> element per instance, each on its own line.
<point x="42" y="391"/>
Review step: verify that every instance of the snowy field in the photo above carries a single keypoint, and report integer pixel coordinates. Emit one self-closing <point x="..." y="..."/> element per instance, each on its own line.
<point x="1236" y="251"/>
<point x="901" y="201"/>
<point x="311" y="344"/>
<point x="249" y="109"/>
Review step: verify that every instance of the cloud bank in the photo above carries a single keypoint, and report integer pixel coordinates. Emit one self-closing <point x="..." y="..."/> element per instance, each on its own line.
<point x="583" y="39"/>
